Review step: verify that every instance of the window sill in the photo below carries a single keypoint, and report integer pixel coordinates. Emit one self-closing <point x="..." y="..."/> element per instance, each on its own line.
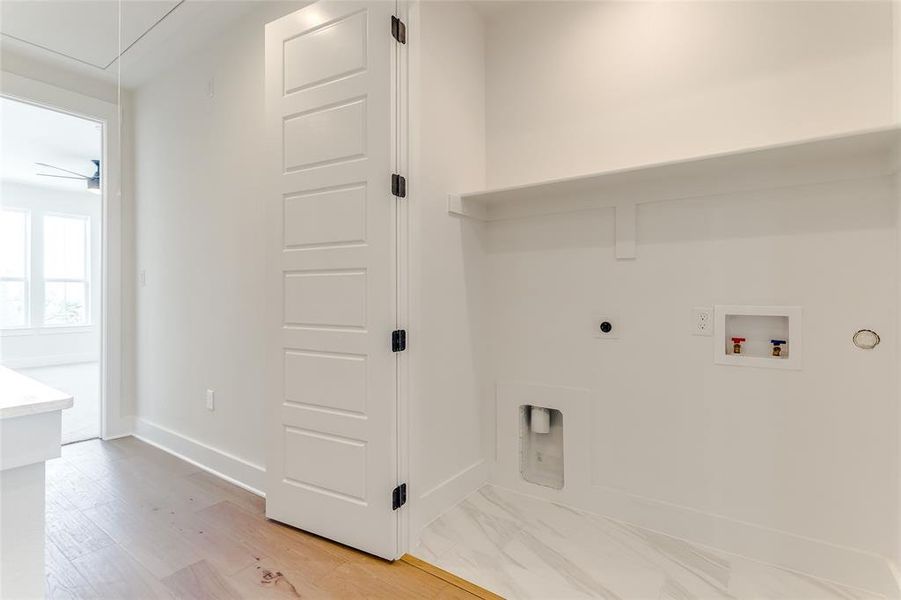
<point x="46" y="330"/>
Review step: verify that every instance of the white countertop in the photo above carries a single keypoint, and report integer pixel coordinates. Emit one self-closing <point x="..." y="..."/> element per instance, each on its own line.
<point x="21" y="396"/>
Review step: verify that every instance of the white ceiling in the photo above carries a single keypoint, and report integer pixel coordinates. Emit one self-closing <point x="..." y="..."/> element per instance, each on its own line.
<point x="86" y="31"/>
<point x="81" y="36"/>
<point x="31" y="134"/>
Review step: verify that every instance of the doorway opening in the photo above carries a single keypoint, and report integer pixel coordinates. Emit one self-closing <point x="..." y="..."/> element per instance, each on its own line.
<point x="51" y="224"/>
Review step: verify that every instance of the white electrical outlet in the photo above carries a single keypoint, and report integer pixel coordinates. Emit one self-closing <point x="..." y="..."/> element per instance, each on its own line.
<point x="702" y="321"/>
<point x="142" y="277"/>
<point x="210" y="400"/>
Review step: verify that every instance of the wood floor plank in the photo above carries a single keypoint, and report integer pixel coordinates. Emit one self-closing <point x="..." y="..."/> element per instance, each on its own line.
<point x="225" y="552"/>
<point x="234" y="494"/>
<point x="128" y="521"/>
<point x="471" y="589"/>
<point x="78" y="489"/>
<point x="452" y="592"/>
<point x="411" y="580"/>
<point x="268" y="536"/>
<point x="200" y="581"/>
<point x="75" y="534"/>
<point x="63" y="580"/>
<point x="115" y="575"/>
<point x="397" y="580"/>
<point x="158" y="548"/>
<point x="152" y="488"/>
<point x="55" y="501"/>
<point x="270" y="579"/>
<point x="94" y="450"/>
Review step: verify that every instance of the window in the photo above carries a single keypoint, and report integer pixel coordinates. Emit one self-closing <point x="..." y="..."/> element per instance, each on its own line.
<point x="65" y="270"/>
<point x="13" y="268"/>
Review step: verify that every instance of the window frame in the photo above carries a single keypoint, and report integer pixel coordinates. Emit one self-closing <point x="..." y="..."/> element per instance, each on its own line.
<point x="36" y="283"/>
<point x="26" y="278"/>
<point x="86" y="269"/>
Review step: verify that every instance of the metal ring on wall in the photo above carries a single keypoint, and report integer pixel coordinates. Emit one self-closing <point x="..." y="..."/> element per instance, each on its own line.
<point x="866" y="339"/>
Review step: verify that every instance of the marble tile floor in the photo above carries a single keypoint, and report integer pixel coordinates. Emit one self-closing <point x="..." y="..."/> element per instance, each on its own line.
<point x="522" y="548"/>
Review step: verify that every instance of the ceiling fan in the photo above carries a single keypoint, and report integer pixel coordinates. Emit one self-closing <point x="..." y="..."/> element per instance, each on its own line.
<point x="93" y="181"/>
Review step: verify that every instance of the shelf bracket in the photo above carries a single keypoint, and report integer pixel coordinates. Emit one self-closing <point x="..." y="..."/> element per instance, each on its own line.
<point x="464" y="207"/>
<point x="625" y="230"/>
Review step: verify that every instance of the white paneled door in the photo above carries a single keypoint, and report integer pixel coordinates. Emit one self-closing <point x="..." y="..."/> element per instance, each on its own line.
<point x="332" y="457"/>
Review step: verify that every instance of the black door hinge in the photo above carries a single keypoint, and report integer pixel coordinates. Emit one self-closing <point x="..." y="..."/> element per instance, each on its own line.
<point x="399" y="340"/>
<point x="399" y="496"/>
<point x="398" y="185"/>
<point x="398" y="30"/>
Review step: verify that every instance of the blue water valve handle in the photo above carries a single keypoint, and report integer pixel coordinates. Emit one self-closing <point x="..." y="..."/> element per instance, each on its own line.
<point x="777" y="347"/>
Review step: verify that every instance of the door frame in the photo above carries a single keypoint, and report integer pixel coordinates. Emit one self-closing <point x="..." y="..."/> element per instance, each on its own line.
<point x="400" y="70"/>
<point x="113" y="423"/>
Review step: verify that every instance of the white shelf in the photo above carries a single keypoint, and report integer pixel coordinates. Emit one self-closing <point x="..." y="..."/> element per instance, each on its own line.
<point x="849" y="156"/>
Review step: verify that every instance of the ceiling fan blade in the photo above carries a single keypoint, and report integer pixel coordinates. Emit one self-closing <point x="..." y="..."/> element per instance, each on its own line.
<point x="80" y="178"/>
<point x="63" y="170"/>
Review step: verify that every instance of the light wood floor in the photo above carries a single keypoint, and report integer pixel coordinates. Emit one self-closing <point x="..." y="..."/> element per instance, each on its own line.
<point x="128" y="521"/>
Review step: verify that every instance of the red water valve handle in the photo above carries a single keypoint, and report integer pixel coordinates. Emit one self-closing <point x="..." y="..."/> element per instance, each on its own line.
<point x="738" y="340"/>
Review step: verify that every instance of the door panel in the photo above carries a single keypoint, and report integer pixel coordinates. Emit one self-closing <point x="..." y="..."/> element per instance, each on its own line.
<point x="325" y="135"/>
<point x="343" y="42"/>
<point x="326" y="298"/>
<point x="330" y="381"/>
<point x="332" y="456"/>
<point x="330" y="217"/>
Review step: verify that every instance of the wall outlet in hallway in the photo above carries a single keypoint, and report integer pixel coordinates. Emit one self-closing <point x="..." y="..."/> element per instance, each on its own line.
<point x="210" y="400"/>
<point x="702" y="321"/>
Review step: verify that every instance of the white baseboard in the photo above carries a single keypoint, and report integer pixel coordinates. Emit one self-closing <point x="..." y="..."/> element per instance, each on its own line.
<point x="437" y="500"/>
<point x="236" y="470"/>
<point x="119" y="428"/>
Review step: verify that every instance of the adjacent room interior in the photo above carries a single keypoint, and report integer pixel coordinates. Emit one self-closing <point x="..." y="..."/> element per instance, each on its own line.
<point x="52" y="217"/>
<point x="451" y="299"/>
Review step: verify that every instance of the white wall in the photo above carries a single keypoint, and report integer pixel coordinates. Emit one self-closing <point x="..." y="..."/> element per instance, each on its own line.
<point x="103" y="87"/>
<point x="809" y="453"/>
<point x="575" y="87"/>
<point x="41" y="346"/>
<point x="200" y="229"/>
<point x="793" y="458"/>
<point x="450" y="420"/>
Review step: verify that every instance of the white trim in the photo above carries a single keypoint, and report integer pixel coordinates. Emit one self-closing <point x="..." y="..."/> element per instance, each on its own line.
<point x="108" y="114"/>
<point x="436" y="501"/>
<point x="236" y="470"/>
<point x="128" y="432"/>
<point x="51" y="360"/>
<point x="46" y="330"/>
<point x="421" y="510"/>
<point x="400" y="69"/>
